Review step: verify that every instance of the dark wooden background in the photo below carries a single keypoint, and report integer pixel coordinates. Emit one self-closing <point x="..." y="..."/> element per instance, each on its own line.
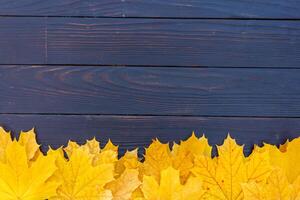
<point x="133" y="70"/>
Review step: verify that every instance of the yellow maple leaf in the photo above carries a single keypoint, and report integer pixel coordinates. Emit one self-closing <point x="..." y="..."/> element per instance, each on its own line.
<point x="106" y="157"/>
<point x="28" y="139"/>
<point x="296" y="189"/>
<point x="5" y="139"/>
<point x="130" y="160"/>
<point x="21" y="180"/>
<point x="123" y="187"/>
<point x="93" y="146"/>
<point x="183" y="154"/>
<point x="287" y="158"/>
<point x="223" y="175"/>
<point x="157" y="158"/>
<point x="277" y="187"/>
<point x="110" y="146"/>
<point x="71" y="147"/>
<point x="170" y="188"/>
<point x="198" y="146"/>
<point x="258" y="167"/>
<point x="82" y="180"/>
<point x="253" y="191"/>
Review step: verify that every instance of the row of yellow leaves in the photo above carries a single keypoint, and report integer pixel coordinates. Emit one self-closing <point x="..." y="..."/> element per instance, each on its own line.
<point x="186" y="171"/>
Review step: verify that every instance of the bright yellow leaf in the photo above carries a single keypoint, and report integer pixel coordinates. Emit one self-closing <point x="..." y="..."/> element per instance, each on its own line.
<point x="170" y="188"/>
<point x="198" y="146"/>
<point x="20" y="180"/>
<point x="296" y="189"/>
<point x="110" y="146"/>
<point x="258" y="166"/>
<point x="277" y="187"/>
<point x="82" y="180"/>
<point x="222" y="177"/>
<point x="5" y="139"/>
<point x="287" y="158"/>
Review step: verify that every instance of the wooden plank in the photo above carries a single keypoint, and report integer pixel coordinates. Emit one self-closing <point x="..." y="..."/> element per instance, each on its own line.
<point x="22" y="41"/>
<point x="131" y="131"/>
<point x="175" y="42"/>
<point x="150" y="90"/>
<point x="155" y="8"/>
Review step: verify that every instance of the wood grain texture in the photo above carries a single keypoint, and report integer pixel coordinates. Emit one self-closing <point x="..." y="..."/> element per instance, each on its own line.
<point x="130" y="131"/>
<point x="154" y="8"/>
<point x="150" y="91"/>
<point x="175" y="42"/>
<point x="22" y="40"/>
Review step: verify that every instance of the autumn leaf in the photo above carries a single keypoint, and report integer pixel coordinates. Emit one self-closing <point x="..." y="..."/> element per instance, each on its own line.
<point x="287" y="158"/>
<point x="183" y="155"/>
<point x="5" y="139"/>
<point x="110" y="146"/>
<point x="258" y="166"/>
<point x="277" y="187"/>
<point x="157" y="158"/>
<point x="130" y="160"/>
<point x="82" y="180"/>
<point x="187" y="171"/>
<point x="28" y="139"/>
<point x="93" y="146"/>
<point x="21" y="180"/>
<point x="197" y="146"/>
<point x="170" y="188"/>
<point x="296" y="189"/>
<point x="123" y="187"/>
<point x="222" y="176"/>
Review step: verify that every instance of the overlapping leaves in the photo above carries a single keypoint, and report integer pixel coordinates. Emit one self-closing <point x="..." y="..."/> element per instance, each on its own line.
<point x="185" y="171"/>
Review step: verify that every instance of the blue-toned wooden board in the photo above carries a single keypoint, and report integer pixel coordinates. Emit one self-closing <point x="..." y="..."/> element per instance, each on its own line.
<point x="150" y="91"/>
<point x="137" y="131"/>
<point x="154" y="8"/>
<point x="175" y="42"/>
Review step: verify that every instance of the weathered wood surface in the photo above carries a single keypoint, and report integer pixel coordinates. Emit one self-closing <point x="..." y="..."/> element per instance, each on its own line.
<point x="163" y="42"/>
<point x="133" y="70"/>
<point x="285" y="9"/>
<point x="150" y="91"/>
<point x="132" y="131"/>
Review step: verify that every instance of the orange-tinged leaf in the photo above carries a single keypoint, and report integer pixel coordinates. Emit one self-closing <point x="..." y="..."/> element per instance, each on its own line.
<point x="106" y="157"/>
<point x="93" y="146"/>
<point x="71" y="147"/>
<point x="183" y="154"/>
<point x="28" y="139"/>
<point x="198" y="146"/>
<point x="123" y="187"/>
<point x="157" y="158"/>
<point x="110" y="146"/>
<point x="129" y="161"/>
